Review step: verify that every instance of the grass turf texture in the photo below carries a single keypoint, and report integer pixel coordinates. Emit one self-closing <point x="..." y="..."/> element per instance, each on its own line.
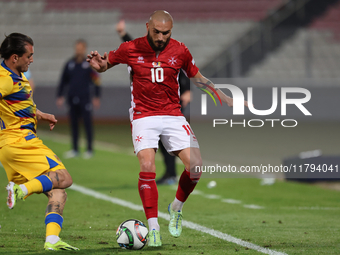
<point x="285" y="224"/>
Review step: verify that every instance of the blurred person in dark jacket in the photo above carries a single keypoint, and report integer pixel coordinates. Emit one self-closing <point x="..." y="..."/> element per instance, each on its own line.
<point x="79" y="82"/>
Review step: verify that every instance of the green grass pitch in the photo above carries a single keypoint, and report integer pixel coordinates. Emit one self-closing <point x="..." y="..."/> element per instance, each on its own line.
<point x="295" y="218"/>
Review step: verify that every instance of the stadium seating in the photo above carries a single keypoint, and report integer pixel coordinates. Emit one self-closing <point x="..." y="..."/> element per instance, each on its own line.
<point x="292" y="59"/>
<point x="329" y="21"/>
<point x="205" y="27"/>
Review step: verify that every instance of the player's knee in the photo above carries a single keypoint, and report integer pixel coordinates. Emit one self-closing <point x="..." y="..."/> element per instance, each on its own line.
<point x="195" y="162"/>
<point x="66" y="179"/>
<point x="68" y="182"/>
<point x="147" y="166"/>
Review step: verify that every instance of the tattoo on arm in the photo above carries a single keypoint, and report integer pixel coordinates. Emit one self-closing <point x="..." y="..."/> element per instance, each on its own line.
<point x="208" y="85"/>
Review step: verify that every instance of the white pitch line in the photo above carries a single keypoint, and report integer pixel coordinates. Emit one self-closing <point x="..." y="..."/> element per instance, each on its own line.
<point x="310" y="208"/>
<point x="231" y="201"/>
<point x="115" y="148"/>
<point x="253" y="206"/>
<point x="185" y="223"/>
<point x="194" y="192"/>
<point x="212" y="196"/>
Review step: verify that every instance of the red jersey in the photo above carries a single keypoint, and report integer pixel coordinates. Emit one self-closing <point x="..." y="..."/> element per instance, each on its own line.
<point x="154" y="83"/>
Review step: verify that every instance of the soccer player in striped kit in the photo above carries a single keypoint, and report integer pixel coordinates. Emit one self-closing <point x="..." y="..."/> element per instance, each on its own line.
<point x="31" y="167"/>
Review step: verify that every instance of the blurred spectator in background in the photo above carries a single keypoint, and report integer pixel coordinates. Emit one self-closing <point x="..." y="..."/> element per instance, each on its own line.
<point x="78" y="84"/>
<point x="169" y="176"/>
<point x="28" y="75"/>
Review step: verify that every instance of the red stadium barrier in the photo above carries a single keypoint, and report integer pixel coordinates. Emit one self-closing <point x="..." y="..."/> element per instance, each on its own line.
<point x="330" y="20"/>
<point x="182" y="10"/>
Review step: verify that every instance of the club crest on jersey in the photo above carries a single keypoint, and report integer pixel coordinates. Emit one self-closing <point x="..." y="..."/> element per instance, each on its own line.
<point x="156" y="64"/>
<point x="57" y="158"/>
<point x="172" y="61"/>
<point x="140" y="59"/>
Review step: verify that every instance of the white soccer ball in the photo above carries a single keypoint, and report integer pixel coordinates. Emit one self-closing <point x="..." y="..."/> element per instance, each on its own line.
<point x="132" y="234"/>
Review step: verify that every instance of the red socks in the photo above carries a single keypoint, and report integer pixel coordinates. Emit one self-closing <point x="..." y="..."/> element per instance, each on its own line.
<point x="186" y="184"/>
<point x="148" y="193"/>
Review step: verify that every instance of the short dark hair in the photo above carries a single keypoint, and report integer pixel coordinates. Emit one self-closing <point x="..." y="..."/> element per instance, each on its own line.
<point x="82" y="41"/>
<point x="14" y="44"/>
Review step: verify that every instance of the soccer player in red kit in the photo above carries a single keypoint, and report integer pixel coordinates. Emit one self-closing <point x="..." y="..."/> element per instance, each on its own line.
<point x="154" y="63"/>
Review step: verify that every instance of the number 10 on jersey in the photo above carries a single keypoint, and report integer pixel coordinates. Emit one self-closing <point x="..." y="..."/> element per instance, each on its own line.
<point x="157" y="74"/>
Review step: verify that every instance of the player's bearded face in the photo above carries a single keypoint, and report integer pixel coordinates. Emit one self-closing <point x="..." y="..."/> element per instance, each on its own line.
<point x="157" y="43"/>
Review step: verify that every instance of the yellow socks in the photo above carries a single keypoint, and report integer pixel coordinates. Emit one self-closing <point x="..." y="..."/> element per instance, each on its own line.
<point x="52" y="229"/>
<point x="40" y="184"/>
<point x="54" y="222"/>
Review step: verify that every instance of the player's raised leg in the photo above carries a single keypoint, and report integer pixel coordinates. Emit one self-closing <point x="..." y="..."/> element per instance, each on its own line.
<point x="59" y="179"/>
<point x="54" y="221"/>
<point x="191" y="157"/>
<point x="149" y="194"/>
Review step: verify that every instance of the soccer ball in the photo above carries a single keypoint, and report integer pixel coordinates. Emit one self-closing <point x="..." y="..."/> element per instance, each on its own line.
<point x="132" y="234"/>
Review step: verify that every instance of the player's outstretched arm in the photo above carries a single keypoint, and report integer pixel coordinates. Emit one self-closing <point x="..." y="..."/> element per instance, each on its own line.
<point x="200" y="81"/>
<point x="98" y="62"/>
<point x="47" y="117"/>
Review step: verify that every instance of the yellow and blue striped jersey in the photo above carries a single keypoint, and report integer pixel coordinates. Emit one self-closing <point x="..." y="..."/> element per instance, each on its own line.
<point x="17" y="109"/>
